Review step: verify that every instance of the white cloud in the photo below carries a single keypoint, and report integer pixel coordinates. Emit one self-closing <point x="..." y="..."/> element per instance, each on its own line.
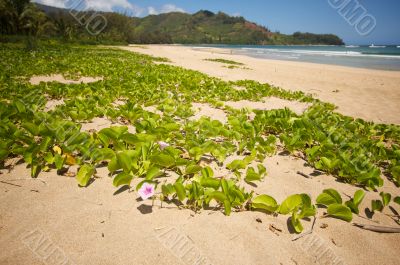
<point x="237" y="14"/>
<point x="123" y="6"/>
<point x="152" y="11"/>
<point x="56" y="3"/>
<point x="110" y="5"/>
<point x="168" y="8"/>
<point x="171" y="8"/>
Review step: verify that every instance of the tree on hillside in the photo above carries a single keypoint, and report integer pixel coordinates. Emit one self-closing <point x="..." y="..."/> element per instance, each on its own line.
<point x="22" y="17"/>
<point x="34" y="21"/>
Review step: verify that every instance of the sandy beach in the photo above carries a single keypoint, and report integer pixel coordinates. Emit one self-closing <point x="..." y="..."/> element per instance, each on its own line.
<point x="363" y="93"/>
<point x="50" y="220"/>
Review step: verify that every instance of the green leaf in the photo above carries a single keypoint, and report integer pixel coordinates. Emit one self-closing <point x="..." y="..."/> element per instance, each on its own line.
<point x="122" y="178"/>
<point x="20" y="106"/>
<point x="296" y="223"/>
<point x="207" y="172"/>
<point x="196" y="152"/>
<point x="236" y="164"/>
<point x="218" y="196"/>
<point x="44" y="145"/>
<point x="49" y="158"/>
<point x="358" y="197"/>
<point x="386" y="198"/>
<point x="355" y="201"/>
<point x="167" y="190"/>
<point x="134" y="139"/>
<point x="180" y="191"/>
<point x="163" y="160"/>
<point x="125" y="160"/>
<point x="102" y="154"/>
<point x="113" y="165"/>
<point x="35" y="170"/>
<point x="84" y="174"/>
<point x="192" y="169"/>
<point x="227" y="207"/>
<point x="59" y="161"/>
<point x="377" y="205"/>
<point x="79" y="138"/>
<point x="262" y="171"/>
<point x="340" y="211"/>
<point x="264" y="202"/>
<point x="328" y="197"/>
<point x="290" y="204"/>
<point x="352" y="207"/>
<point x="114" y="133"/>
<point x="210" y="183"/>
<point x="327" y="162"/>
<point x="225" y="186"/>
<point x="31" y="128"/>
<point x="397" y="200"/>
<point x="307" y="211"/>
<point x="252" y="175"/>
<point x="3" y="154"/>
<point x="153" y="172"/>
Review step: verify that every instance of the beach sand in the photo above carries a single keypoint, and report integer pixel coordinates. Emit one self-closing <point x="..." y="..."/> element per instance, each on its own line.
<point x="363" y="93"/>
<point x="50" y="220"/>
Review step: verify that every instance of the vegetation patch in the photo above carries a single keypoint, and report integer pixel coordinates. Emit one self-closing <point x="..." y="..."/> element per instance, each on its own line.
<point x="219" y="60"/>
<point x="351" y="150"/>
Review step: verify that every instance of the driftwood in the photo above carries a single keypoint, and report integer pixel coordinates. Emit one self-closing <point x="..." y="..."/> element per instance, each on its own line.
<point x="378" y="229"/>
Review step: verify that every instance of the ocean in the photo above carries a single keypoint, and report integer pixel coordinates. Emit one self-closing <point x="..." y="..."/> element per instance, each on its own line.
<point x="371" y="57"/>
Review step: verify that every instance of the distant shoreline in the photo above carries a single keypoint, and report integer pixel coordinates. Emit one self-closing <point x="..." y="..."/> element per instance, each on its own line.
<point x="364" y="57"/>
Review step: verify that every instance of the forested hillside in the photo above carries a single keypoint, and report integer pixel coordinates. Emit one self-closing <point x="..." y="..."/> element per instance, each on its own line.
<point x="20" y="17"/>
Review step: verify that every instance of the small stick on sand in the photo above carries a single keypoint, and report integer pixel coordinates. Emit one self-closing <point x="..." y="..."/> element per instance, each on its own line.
<point x="304" y="175"/>
<point x="378" y="229"/>
<point x="41" y="180"/>
<point x="12" y="184"/>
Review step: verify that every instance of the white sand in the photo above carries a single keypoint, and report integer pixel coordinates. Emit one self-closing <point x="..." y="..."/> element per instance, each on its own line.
<point x="95" y="225"/>
<point x="36" y="80"/>
<point x="369" y="94"/>
<point x="269" y="104"/>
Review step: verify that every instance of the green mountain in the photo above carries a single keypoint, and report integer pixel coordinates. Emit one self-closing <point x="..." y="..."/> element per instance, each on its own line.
<point x="207" y="27"/>
<point x="203" y="27"/>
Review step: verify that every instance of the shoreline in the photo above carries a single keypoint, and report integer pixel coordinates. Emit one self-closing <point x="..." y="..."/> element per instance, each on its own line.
<point x="362" y="57"/>
<point x="369" y="94"/>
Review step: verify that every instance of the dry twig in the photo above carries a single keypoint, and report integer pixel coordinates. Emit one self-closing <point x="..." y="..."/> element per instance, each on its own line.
<point x="378" y="229"/>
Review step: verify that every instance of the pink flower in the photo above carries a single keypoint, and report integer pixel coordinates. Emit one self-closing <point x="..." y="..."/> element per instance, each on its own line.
<point x="146" y="191"/>
<point x="163" y="145"/>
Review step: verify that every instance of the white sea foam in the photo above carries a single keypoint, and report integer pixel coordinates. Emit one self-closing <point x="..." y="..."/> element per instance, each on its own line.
<point x="297" y="52"/>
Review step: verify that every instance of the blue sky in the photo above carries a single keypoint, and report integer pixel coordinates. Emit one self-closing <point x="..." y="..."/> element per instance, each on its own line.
<point x="287" y="16"/>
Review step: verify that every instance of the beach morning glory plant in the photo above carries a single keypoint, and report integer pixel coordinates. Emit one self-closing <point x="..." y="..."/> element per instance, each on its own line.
<point x="146" y="191"/>
<point x="162" y="145"/>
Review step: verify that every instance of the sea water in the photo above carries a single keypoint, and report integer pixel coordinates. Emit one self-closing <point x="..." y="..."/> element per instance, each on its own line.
<point x="371" y="57"/>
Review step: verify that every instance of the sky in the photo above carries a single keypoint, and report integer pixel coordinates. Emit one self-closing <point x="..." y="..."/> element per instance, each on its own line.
<point x="377" y="22"/>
